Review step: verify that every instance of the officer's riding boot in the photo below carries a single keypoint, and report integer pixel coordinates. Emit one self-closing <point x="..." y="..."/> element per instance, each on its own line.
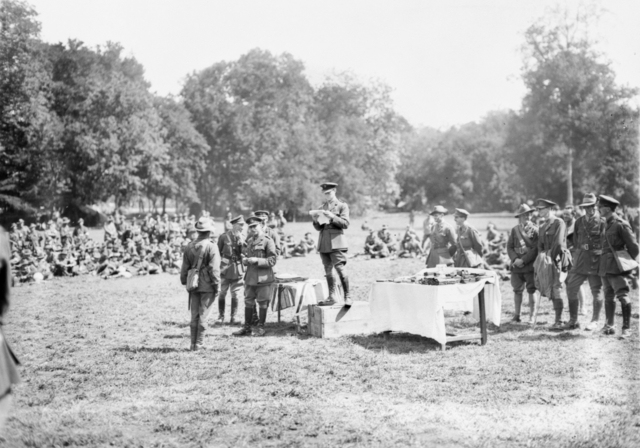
<point x="194" y="337"/>
<point x="573" y="323"/>
<point x="557" y="307"/>
<point x="610" y="313"/>
<point x="221" y="306"/>
<point x="626" y="320"/>
<point x="234" y="310"/>
<point x="517" y="300"/>
<point x="595" y="317"/>
<point x="254" y="316"/>
<point x="534" y="303"/>
<point x="248" y="318"/>
<point x="345" y="288"/>
<point x="263" y="318"/>
<point x="331" y="283"/>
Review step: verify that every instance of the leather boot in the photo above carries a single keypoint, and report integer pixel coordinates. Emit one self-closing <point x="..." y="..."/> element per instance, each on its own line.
<point x="517" y="300"/>
<point x="221" y="306"/>
<point x="610" y="313"/>
<point x="254" y="317"/>
<point x="234" y="310"/>
<point x="200" y="338"/>
<point x="534" y="303"/>
<point x="345" y="288"/>
<point x="595" y="317"/>
<point x="626" y="320"/>
<point x="573" y="323"/>
<point x="331" y="283"/>
<point x="194" y="337"/>
<point x="263" y="318"/>
<point x="557" y="307"/>
<point x="248" y="318"/>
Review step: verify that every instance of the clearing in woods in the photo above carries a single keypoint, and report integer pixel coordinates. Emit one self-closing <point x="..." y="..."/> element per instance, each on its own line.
<point x="105" y="362"/>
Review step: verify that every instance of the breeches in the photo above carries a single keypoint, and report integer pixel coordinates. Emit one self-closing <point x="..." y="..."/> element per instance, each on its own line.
<point x="521" y="279"/>
<point x="336" y="259"/>
<point x="616" y="287"/>
<point x="257" y="293"/>
<point x="574" y="281"/>
<point x="234" y="285"/>
<point x="198" y="303"/>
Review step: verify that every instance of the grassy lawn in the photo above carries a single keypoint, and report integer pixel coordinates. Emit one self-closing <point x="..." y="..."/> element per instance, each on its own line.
<point x="105" y="363"/>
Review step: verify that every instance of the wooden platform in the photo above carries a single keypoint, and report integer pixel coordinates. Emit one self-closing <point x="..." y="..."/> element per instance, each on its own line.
<point x="338" y="320"/>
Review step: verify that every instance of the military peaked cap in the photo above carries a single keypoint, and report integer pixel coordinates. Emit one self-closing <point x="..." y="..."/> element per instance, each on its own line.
<point x="608" y="201"/>
<point x="461" y="212"/>
<point x="545" y="203"/>
<point x="439" y="209"/>
<point x="326" y="186"/>
<point x="237" y="220"/>
<point x="588" y="200"/>
<point x="253" y="221"/>
<point x="260" y="213"/>
<point x="524" y="208"/>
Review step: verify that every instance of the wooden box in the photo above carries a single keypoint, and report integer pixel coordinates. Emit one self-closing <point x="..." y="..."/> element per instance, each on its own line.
<point x="338" y="320"/>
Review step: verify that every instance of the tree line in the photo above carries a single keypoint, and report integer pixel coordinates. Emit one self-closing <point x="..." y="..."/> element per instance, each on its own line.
<point x="80" y="125"/>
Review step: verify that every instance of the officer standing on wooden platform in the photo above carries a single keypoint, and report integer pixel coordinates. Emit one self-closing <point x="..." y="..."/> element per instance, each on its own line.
<point x="231" y="245"/>
<point x="617" y="236"/>
<point x="332" y="244"/>
<point x="260" y="257"/>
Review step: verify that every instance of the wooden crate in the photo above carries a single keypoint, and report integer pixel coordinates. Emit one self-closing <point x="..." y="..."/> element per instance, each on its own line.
<point x="338" y="320"/>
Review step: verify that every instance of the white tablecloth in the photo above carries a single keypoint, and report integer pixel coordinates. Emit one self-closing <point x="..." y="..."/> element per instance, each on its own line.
<point x="419" y="309"/>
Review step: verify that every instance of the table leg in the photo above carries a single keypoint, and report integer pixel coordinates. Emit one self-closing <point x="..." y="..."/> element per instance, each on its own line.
<point x="279" y="294"/>
<point x="483" y="317"/>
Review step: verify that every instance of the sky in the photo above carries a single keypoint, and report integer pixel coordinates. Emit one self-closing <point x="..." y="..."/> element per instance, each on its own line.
<point x="448" y="62"/>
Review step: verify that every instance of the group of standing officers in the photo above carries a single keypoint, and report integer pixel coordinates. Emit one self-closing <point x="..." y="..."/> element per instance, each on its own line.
<point x="238" y="262"/>
<point x="548" y="257"/>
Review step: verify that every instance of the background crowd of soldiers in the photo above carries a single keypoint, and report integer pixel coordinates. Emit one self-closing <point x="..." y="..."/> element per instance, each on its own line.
<point x="150" y="244"/>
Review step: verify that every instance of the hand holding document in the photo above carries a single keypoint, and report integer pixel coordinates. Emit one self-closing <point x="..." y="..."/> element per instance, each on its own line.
<point x="319" y="216"/>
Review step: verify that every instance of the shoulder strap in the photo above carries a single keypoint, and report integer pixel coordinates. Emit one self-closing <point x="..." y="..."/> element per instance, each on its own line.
<point x="522" y="236"/>
<point x="200" y="257"/>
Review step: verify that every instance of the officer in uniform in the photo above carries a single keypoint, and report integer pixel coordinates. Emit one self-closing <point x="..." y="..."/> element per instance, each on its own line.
<point x="208" y="279"/>
<point x="586" y="252"/>
<point x="231" y="245"/>
<point x="443" y="239"/>
<point x="617" y="235"/>
<point x="550" y="262"/>
<point x="332" y="244"/>
<point x="522" y="248"/>
<point x="259" y="259"/>
<point x="469" y="244"/>
<point x="269" y="231"/>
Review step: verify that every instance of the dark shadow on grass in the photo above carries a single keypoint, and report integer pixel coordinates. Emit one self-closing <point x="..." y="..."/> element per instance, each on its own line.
<point x="402" y="343"/>
<point x="176" y="324"/>
<point x="175" y="336"/>
<point x="548" y="335"/>
<point x="129" y="349"/>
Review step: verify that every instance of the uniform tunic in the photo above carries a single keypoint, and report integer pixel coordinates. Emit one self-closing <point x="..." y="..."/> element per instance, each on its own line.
<point x="231" y="246"/>
<point x="586" y="240"/>
<point x="442" y="237"/>
<point x="552" y="242"/>
<point x="468" y="240"/>
<point x="259" y="277"/>
<point x="525" y="249"/>
<point x="331" y="236"/>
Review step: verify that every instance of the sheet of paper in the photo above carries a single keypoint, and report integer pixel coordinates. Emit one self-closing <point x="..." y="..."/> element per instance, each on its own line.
<point x="319" y="216"/>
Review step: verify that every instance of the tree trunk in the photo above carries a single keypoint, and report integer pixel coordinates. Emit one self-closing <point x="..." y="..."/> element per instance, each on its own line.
<point x="570" y="177"/>
<point x="164" y="205"/>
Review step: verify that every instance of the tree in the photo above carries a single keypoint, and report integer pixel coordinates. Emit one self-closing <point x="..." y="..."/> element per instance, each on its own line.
<point x="574" y="111"/>
<point x="113" y="140"/>
<point x="28" y="132"/>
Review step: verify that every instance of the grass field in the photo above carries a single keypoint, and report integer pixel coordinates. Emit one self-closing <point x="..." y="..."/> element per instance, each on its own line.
<point x="105" y="363"/>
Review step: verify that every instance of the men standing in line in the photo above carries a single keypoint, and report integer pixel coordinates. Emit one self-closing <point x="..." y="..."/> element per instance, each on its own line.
<point x="231" y="244"/>
<point x="260" y="257"/>
<point x="587" y="251"/>
<point x="204" y="254"/>
<point x="616" y="236"/>
<point x="551" y="260"/>
<point x="469" y="244"/>
<point x="443" y="239"/>
<point x="522" y="248"/>
<point x="332" y="243"/>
